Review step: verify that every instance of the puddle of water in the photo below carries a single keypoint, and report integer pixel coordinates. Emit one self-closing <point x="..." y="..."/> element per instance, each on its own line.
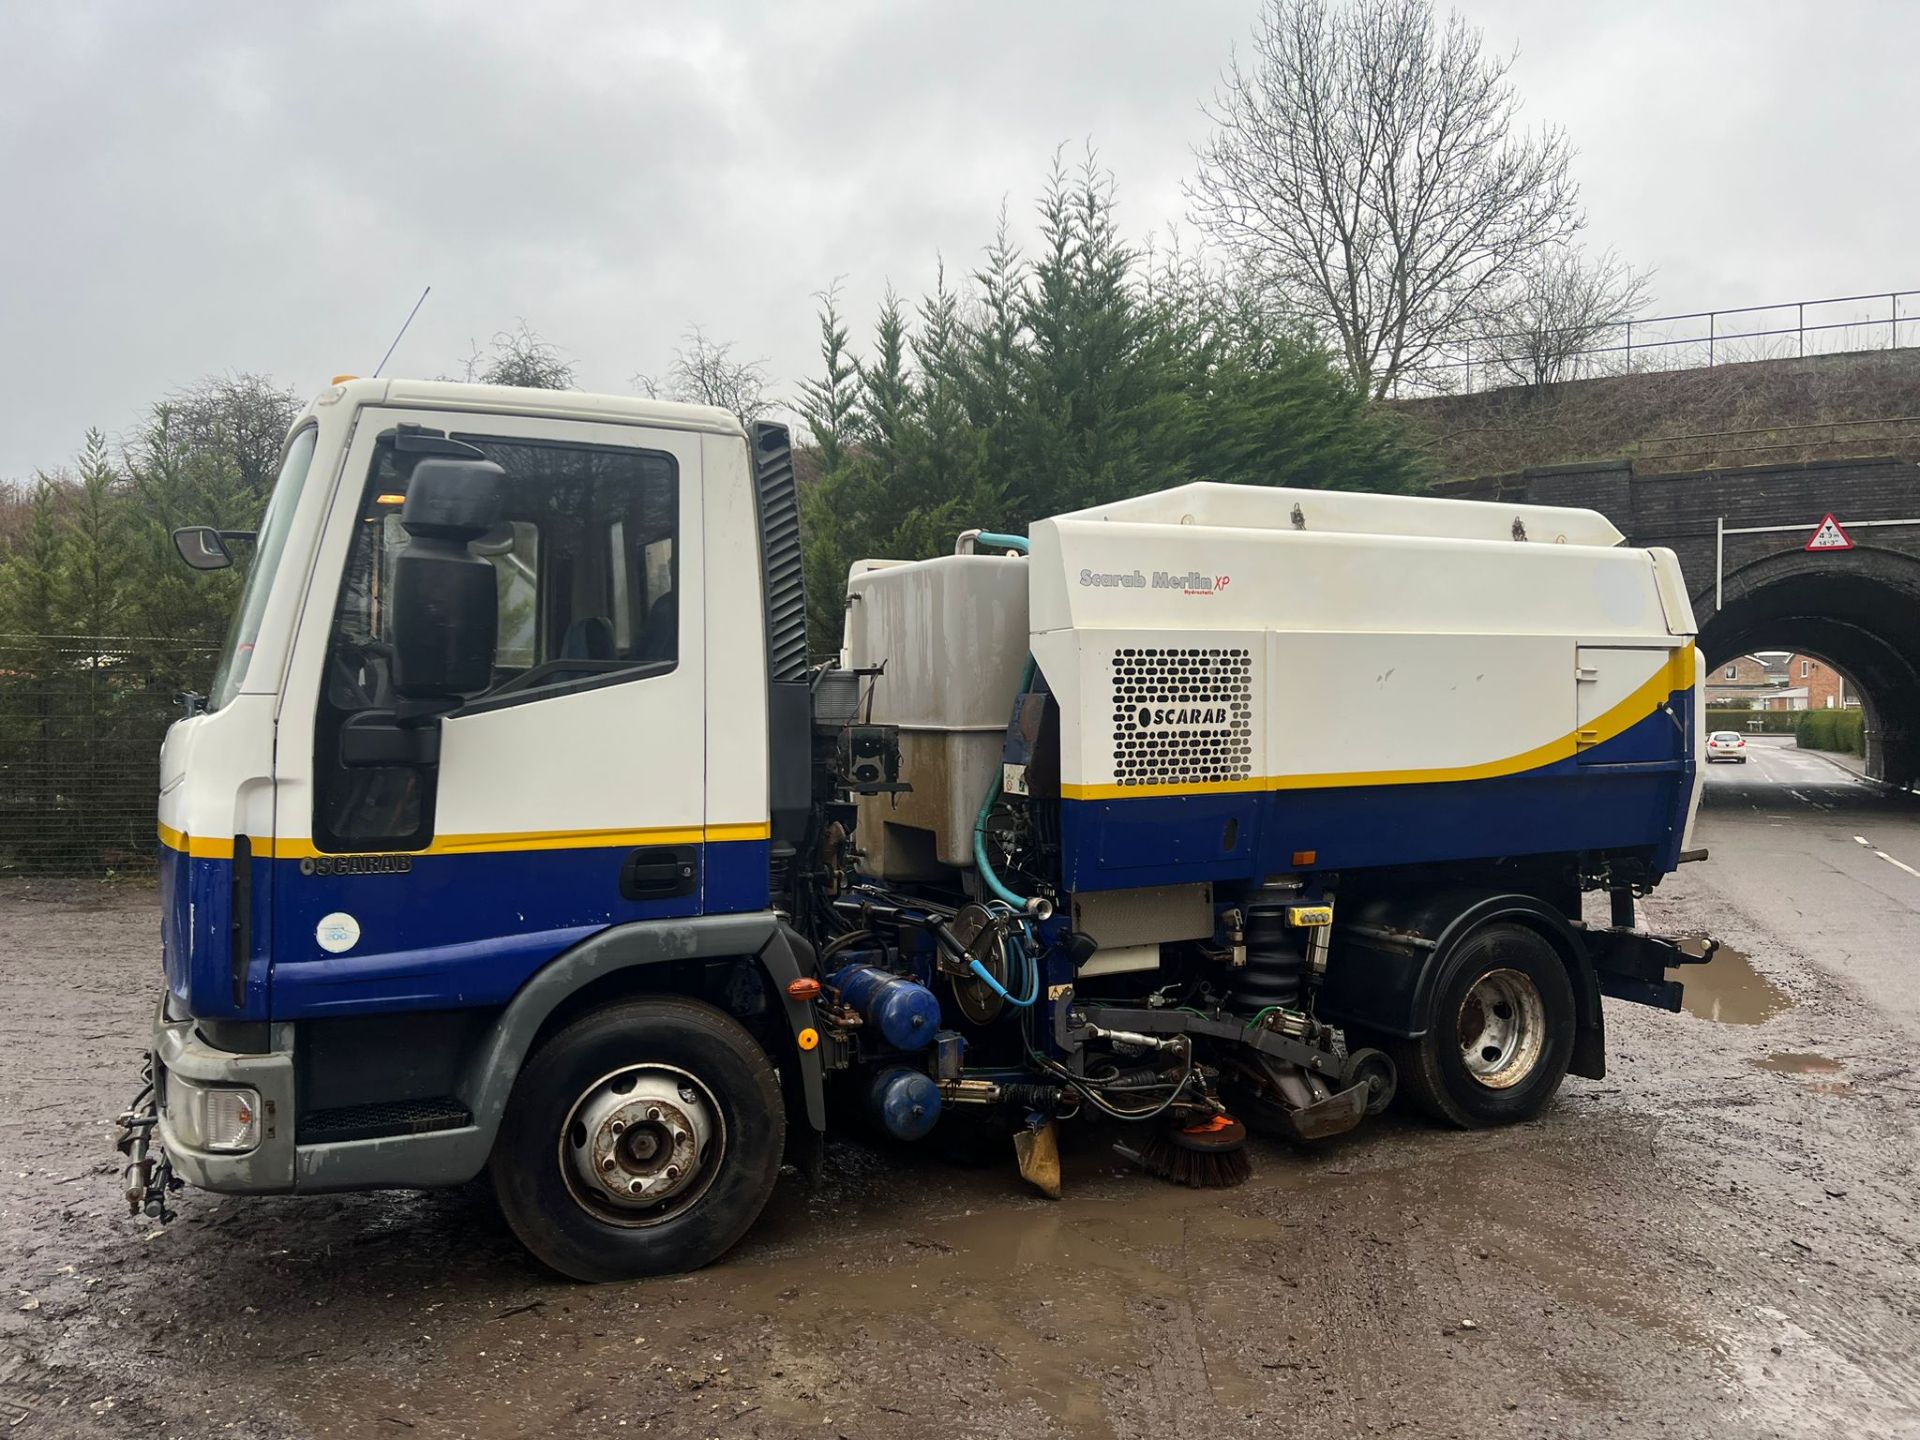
<point x="1819" y="1068"/>
<point x="1798" y="1062"/>
<point x="1729" y="990"/>
<point x="1058" y="1295"/>
<point x="1058" y="1302"/>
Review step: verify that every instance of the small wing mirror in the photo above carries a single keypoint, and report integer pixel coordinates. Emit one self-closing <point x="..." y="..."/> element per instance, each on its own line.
<point x="202" y="547"/>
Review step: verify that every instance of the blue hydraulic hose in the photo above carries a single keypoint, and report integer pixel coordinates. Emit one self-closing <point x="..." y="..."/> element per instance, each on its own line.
<point x="994" y="985"/>
<point x="1032" y="986"/>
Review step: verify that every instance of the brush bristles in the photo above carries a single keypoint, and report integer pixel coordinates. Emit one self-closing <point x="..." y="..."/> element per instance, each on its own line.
<point x="1208" y="1169"/>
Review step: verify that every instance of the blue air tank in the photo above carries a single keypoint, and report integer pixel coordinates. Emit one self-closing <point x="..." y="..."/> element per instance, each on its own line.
<point x="902" y="1010"/>
<point x="905" y="1102"/>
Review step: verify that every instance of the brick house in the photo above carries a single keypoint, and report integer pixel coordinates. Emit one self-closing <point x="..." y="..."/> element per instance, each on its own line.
<point x="1748" y="682"/>
<point x="1776" y="680"/>
<point x="1826" y="687"/>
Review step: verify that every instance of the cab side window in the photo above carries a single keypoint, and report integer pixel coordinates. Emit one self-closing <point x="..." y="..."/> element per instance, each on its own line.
<point x="585" y="561"/>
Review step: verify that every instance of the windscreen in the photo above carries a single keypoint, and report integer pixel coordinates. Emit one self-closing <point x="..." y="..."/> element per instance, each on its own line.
<point x="267" y="550"/>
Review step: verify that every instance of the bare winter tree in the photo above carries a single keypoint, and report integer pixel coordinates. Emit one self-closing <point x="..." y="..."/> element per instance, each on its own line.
<point x="1367" y="163"/>
<point x="1562" y="308"/>
<point x="704" y="372"/>
<point x="241" y="418"/>
<point x="520" y="357"/>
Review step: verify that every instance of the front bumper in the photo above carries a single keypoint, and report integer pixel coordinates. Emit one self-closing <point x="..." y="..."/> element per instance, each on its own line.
<point x="268" y="1168"/>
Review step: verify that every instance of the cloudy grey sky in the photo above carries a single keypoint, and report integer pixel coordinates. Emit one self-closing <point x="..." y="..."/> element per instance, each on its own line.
<point x="189" y="187"/>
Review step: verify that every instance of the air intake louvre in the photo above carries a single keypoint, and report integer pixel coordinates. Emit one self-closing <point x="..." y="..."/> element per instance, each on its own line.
<point x="1182" y="715"/>
<point x="779" y="507"/>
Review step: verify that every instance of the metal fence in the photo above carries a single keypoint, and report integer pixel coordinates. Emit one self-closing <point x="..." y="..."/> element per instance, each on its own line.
<point x="81" y="720"/>
<point x="1834" y="325"/>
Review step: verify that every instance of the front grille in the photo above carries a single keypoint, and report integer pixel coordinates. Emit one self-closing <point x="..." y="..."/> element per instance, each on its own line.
<point x="381" y="1119"/>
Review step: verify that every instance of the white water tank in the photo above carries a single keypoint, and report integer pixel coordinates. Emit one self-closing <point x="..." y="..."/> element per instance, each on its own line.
<point x="950" y="637"/>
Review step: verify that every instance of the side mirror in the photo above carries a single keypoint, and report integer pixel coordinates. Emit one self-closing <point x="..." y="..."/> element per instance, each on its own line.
<point x="446" y="599"/>
<point x="202" y="548"/>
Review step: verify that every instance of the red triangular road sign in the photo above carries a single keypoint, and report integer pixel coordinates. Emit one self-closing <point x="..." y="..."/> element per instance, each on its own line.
<point x="1829" y="536"/>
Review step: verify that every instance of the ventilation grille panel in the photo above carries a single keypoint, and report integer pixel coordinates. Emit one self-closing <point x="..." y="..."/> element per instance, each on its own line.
<point x="1182" y="715"/>
<point x="779" y="509"/>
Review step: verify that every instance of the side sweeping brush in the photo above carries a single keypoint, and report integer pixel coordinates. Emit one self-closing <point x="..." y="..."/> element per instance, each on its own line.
<point x="1210" y="1156"/>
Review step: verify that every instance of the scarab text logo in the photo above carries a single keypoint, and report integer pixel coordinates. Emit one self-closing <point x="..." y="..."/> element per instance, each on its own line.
<point x="1175" y="716"/>
<point x="356" y="865"/>
<point x="1127" y="580"/>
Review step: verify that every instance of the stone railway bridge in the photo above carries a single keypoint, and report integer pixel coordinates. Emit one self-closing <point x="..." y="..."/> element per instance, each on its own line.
<point x="1741" y="536"/>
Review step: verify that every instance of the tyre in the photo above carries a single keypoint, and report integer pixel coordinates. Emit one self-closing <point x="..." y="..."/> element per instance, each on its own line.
<point x="1499" y="1032"/>
<point x="642" y="1139"/>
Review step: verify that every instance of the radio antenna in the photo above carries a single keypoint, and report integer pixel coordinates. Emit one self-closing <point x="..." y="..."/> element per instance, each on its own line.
<point x="403" y="330"/>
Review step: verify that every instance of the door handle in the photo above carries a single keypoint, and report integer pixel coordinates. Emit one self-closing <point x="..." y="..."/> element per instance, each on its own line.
<point x="660" y="872"/>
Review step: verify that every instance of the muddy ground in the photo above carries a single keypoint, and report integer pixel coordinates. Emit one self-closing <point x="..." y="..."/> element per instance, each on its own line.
<point x="1718" y="1239"/>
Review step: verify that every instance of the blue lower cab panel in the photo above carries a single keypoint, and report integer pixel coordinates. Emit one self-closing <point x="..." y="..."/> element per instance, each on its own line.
<point x="196" y="935"/>
<point x="447" y="931"/>
<point x="462" y="930"/>
<point x="1565" y="807"/>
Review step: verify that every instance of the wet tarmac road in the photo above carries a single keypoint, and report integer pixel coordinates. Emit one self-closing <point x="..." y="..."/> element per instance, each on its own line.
<point x="1807" y="846"/>
<point x="1718" y="1240"/>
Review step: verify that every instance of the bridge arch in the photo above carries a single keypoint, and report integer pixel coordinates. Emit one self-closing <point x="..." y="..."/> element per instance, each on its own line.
<point x="1858" y="610"/>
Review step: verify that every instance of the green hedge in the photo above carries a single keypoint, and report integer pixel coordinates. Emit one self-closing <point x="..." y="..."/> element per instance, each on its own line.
<point x="1772" y="722"/>
<point x="1830" y="730"/>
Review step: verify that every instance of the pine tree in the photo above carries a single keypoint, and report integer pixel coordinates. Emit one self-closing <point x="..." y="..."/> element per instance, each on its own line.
<point x="174" y="482"/>
<point x="30" y="579"/>
<point x="90" y="584"/>
<point x="886" y="404"/>
<point x="828" y="404"/>
<point x="1094" y="371"/>
<point x="30" y="651"/>
<point x="944" y="452"/>
<point x="991" y="372"/>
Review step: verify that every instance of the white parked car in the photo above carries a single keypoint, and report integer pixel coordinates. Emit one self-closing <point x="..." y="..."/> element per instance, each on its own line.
<point x="1726" y="745"/>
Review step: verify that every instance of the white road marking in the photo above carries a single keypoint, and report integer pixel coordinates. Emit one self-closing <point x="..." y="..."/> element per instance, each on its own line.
<point x="1897" y="864"/>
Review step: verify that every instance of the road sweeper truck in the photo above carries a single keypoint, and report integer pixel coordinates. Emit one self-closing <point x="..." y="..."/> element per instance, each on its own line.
<point x="518" y="834"/>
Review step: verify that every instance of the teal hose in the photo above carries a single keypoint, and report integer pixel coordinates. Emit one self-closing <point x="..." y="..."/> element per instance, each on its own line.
<point x="987" y="876"/>
<point x="995" y="541"/>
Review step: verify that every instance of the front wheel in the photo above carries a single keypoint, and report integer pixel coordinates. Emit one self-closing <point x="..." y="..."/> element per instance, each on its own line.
<point x="1499" y="1033"/>
<point x="642" y="1139"/>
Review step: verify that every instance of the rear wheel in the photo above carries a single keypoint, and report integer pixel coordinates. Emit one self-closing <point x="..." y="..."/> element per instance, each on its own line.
<point x="642" y="1139"/>
<point x="1499" y="1034"/>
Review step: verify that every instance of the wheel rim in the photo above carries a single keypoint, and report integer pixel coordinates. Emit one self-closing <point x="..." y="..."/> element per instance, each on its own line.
<point x="642" y="1144"/>
<point x="1502" y="1029"/>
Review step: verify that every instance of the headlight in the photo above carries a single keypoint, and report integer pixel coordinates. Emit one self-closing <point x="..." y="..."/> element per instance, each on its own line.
<point x="226" y="1118"/>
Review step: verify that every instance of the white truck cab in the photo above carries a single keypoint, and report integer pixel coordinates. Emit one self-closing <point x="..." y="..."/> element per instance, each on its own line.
<point x="339" y="846"/>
